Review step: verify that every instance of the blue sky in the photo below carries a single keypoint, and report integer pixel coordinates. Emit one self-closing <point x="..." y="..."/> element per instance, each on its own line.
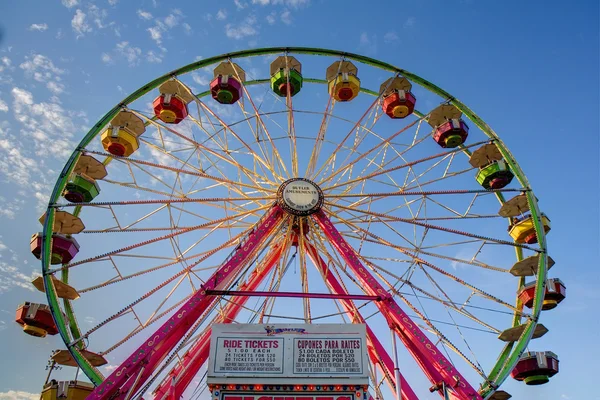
<point x="530" y="69"/>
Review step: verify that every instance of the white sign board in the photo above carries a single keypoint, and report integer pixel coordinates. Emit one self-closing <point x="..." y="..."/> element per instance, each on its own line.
<point x="288" y="352"/>
<point x="240" y="395"/>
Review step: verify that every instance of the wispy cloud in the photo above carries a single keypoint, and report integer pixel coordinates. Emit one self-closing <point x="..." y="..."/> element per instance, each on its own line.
<point x="107" y="59"/>
<point x="409" y="23"/>
<point x="152" y="57"/>
<point x="163" y="25"/>
<point x="239" y="31"/>
<point x="368" y="43"/>
<point x="42" y="69"/>
<point x="70" y="3"/>
<point x="131" y="53"/>
<point x="13" y="277"/>
<point x="144" y="15"/>
<point x="19" y="394"/>
<point x="391" y="37"/>
<point x="289" y="3"/>
<point x="38" y="27"/>
<point x="240" y="5"/>
<point x="286" y="17"/>
<point x="221" y="14"/>
<point x="79" y="24"/>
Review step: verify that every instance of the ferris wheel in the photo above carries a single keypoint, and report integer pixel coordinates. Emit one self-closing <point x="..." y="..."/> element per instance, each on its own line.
<point x="295" y="185"/>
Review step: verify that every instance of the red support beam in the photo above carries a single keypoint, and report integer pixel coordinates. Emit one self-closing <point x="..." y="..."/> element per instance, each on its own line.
<point x="137" y="368"/>
<point x="180" y="377"/>
<point x="377" y="352"/>
<point x="434" y="364"/>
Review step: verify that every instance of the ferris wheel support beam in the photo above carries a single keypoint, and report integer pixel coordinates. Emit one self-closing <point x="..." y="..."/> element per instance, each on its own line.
<point x="377" y="352"/>
<point x="180" y="376"/>
<point x="431" y="360"/>
<point x="156" y="348"/>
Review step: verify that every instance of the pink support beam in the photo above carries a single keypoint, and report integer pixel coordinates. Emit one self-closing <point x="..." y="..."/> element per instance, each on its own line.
<point x="136" y="370"/>
<point x="432" y="361"/>
<point x="180" y="377"/>
<point x="302" y="295"/>
<point x="377" y="352"/>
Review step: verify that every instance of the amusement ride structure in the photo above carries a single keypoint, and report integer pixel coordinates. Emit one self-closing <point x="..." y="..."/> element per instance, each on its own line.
<point x="296" y="185"/>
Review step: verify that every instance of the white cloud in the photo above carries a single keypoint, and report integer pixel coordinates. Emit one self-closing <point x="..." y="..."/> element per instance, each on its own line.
<point x="79" y="24"/>
<point x="47" y="123"/>
<point x="368" y="43"/>
<point x="144" y="15"/>
<point x="19" y="394"/>
<point x="297" y="3"/>
<point x="390" y="37"/>
<point x="364" y="39"/>
<point x="13" y="277"/>
<point x="290" y="3"/>
<point x="38" y="27"/>
<point x="110" y="368"/>
<point x="40" y="63"/>
<point x="98" y="15"/>
<point x="55" y="87"/>
<point x="131" y="53"/>
<point x="70" y="3"/>
<point x="113" y="2"/>
<point x="240" y="4"/>
<point x="171" y="21"/>
<point x="240" y="31"/>
<point x="153" y="57"/>
<point x="42" y="69"/>
<point x="156" y="34"/>
<point x="410" y="22"/>
<point x="286" y="17"/>
<point x="9" y="209"/>
<point x="43" y="126"/>
<point x="221" y="14"/>
<point x="201" y="79"/>
<point x="271" y="18"/>
<point x="107" y="59"/>
<point x="3" y="106"/>
<point x="163" y="25"/>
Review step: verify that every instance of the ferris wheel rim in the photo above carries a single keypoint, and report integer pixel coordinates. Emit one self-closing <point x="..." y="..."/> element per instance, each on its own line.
<point x="65" y="326"/>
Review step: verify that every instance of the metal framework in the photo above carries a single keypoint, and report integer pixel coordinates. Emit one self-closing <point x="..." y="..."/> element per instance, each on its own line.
<point x="253" y="221"/>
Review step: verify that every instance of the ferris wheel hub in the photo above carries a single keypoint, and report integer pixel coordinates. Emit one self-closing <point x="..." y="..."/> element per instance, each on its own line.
<point x="300" y="196"/>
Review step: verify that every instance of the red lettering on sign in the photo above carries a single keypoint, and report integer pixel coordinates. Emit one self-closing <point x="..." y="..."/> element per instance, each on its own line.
<point x="232" y="344"/>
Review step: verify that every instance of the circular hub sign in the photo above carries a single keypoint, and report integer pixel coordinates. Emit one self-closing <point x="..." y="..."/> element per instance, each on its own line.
<point x="300" y="196"/>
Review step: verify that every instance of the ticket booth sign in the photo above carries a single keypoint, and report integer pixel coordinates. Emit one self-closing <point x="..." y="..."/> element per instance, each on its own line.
<point x="289" y="396"/>
<point x="253" y="353"/>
